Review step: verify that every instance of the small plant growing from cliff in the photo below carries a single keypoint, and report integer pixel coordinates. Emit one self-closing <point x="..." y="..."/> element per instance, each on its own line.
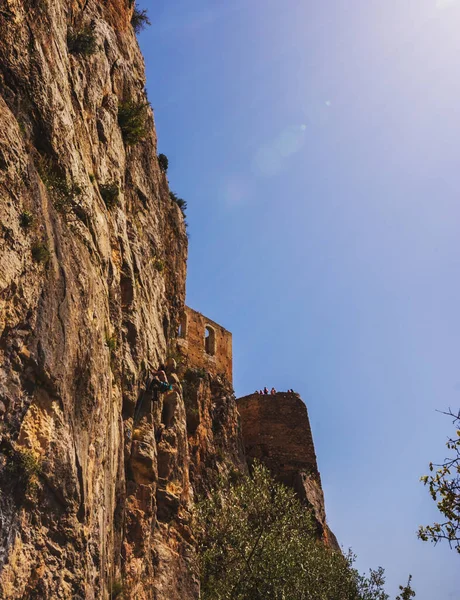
<point x="132" y="119"/>
<point x="139" y="20"/>
<point x="181" y="203"/>
<point x="163" y="162"/>
<point x="65" y="194"/>
<point x="26" y="219"/>
<point x="110" y="193"/>
<point x="159" y="264"/>
<point x="40" y="253"/>
<point x="111" y="342"/>
<point x="117" y="590"/>
<point x="24" y="468"/>
<point x="83" y="41"/>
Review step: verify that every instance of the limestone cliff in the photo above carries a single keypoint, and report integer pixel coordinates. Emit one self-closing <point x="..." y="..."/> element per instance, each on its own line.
<point x="89" y="294"/>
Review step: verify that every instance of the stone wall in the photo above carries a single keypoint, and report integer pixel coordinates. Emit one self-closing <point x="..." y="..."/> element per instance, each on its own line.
<point x="216" y="358"/>
<point x="276" y="431"/>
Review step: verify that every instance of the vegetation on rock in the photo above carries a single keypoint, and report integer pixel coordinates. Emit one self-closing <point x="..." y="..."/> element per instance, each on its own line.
<point x="65" y="194"/>
<point x="139" y="20"/>
<point x="256" y="541"/>
<point x="82" y="41"/>
<point x="110" y="193"/>
<point x="111" y="342"/>
<point x="163" y="162"/>
<point x="159" y="264"/>
<point x="24" y="470"/>
<point x="40" y="252"/>
<point x="444" y="487"/>
<point x="132" y="117"/>
<point x="26" y="219"/>
<point x="181" y="203"/>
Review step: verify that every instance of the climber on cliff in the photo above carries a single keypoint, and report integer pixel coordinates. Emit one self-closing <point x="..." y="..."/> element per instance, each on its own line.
<point x="159" y="381"/>
<point x="265" y="391"/>
<point x="273" y="391"/>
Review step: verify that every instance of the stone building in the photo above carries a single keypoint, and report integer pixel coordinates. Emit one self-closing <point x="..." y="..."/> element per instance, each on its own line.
<point x="205" y="344"/>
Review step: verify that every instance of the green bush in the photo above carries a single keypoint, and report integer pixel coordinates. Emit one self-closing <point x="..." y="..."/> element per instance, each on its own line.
<point x="139" y="20"/>
<point x="110" y="193"/>
<point x="40" y="253"/>
<point x="159" y="264"/>
<point x="117" y="590"/>
<point x="132" y="119"/>
<point x="256" y="541"/>
<point x="26" y="219"/>
<point x="25" y="469"/>
<point x="181" y="203"/>
<point x="111" y="342"/>
<point x="82" y="41"/>
<point x="194" y="375"/>
<point x="163" y="162"/>
<point x="65" y="194"/>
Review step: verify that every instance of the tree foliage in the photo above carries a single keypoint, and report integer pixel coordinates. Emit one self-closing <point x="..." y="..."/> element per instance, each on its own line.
<point x="444" y="487"/>
<point x="83" y="41"/>
<point x="406" y="591"/>
<point x="163" y="162"/>
<point x="132" y="119"/>
<point x="181" y="203"/>
<point x="139" y="20"/>
<point x="257" y="542"/>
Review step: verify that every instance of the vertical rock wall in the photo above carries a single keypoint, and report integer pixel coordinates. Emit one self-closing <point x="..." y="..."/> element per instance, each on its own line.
<point x="88" y="299"/>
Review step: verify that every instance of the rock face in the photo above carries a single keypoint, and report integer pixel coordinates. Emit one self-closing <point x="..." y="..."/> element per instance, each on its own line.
<point x="276" y="431"/>
<point x="98" y="470"/>
<point x="89" y="297"/>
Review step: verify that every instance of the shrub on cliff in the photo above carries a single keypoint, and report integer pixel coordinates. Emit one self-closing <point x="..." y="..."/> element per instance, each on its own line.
<point x="24" y="471"/>
<point x="65" y="193"/>
<point x="26" y="219"/>
<point x="82" y="41"/>
<point x="40" y="252"/>
<point x="163" y="162"/>
<point x="181" y="203"/>
<point x="132" y="117"/>
<point x="110" y="193"/>
<point x="139" y="20"/>
<point x="256" y="541"/>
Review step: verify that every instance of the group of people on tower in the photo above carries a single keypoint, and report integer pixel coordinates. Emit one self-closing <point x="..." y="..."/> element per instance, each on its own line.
<point x="272" y="392"/>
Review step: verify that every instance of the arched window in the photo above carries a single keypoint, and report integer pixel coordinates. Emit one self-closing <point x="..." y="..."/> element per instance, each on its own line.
<point x="182" y="332"/>
<point x="210" y="340"/>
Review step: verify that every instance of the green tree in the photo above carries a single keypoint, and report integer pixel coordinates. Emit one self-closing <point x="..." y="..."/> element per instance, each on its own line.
<point x="163" y="162"/>
<point x="257" y="542"/>
<point x="406" y="591"/>
<point x="444" y="487"/>
<point x="132" y="119"/>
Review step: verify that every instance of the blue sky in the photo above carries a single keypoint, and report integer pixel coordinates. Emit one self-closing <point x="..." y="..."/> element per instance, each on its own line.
<point x="317" y="146"/>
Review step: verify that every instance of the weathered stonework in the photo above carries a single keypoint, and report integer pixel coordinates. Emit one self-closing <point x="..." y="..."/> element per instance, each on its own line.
<point x="276" y="430"/>
<point x="214" y="355"/>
